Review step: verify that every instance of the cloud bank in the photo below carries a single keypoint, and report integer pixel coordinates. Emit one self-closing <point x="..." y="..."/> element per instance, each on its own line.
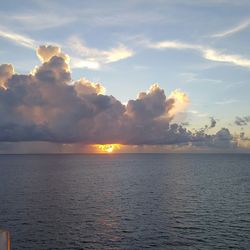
<point x="47" y="105"/>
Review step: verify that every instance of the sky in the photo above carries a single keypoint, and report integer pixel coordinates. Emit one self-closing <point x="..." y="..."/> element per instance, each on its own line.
<point x="153" y="76"/>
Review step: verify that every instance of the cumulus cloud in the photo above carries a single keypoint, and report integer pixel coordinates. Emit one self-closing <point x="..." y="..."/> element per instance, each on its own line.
<point x="48" y="105"/>
<point x="45" y="53"/>
<point x="86" y="87"/>
<point x="6" y="72"/>
<point x="181" y="100"/>
<point x="150" y="105"/>
<point x="221" y="139"/>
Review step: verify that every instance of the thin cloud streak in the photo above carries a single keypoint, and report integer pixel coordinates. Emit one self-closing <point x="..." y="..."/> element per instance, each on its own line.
<point x="18" y="39"/>
<point x="242" y="26"/>
<point x="207" y="53"/>
<point x="226" y="102"/>
<point x="38" y="21"/>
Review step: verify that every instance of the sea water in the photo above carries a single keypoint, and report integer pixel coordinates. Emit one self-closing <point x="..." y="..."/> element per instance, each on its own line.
<point x="126" y="201"/>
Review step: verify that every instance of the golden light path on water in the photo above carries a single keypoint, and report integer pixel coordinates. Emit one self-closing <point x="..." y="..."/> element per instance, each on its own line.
<point x="107" y="148"/>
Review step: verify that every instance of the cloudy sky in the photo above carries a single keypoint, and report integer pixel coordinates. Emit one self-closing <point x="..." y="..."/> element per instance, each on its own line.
<point x="154" y="76"/>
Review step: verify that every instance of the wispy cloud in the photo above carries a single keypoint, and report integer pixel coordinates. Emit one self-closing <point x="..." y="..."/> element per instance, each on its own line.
<point x="207" y="53"/>
<point x="193" y="77"/>
<point x="225" y="102"/>
<point x="36" y="20"/>
<point x="235" y="29"/>
<point x="197" y="113"/>
<point x="93" y="57"/>
<point x="39" y="21"/>
<point x="18" y="38"/>
<point x="81" y="63"/>
<point x="82" y="56"/>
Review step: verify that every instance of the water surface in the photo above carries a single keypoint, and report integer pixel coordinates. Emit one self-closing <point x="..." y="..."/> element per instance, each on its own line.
<point x="130" y="201"/>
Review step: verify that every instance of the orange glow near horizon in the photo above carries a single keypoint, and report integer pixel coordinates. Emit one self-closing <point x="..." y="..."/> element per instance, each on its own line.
<point x="108" y="148"/>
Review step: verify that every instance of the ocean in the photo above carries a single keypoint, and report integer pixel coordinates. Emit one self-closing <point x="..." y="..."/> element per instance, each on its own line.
<point x="126" y="201"/>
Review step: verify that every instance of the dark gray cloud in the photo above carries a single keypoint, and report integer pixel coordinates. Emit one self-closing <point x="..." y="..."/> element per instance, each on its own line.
<point x="206" y="128"/>
<point x="211" y="125"/>
<point x="222" y="139"/>
<point x="242" y="121"/>
<point x="185" y="124"/>
<point x="47" y="105"/>
<point x="212" y="122"/>
<point x="243" y="137"/>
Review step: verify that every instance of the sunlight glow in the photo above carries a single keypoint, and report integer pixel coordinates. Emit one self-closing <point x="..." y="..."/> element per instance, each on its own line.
<point x="108" y="148"/>
<point x="181" y="101"/>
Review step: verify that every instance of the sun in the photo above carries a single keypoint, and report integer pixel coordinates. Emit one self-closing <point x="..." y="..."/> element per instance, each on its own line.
<point x="108" y="148"/>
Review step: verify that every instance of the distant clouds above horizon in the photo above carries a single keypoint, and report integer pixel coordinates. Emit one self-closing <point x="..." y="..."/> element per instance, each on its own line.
<point x="93" y="58"/>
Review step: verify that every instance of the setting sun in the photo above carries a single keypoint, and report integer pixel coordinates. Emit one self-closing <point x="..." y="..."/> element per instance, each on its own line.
<point x="108" y="148"/>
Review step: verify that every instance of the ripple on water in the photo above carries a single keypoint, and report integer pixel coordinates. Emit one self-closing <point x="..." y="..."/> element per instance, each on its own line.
<point x="149" y="201"/>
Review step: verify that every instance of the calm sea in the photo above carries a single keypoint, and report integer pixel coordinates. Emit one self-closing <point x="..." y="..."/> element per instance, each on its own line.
<point x="130" y="201"/>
